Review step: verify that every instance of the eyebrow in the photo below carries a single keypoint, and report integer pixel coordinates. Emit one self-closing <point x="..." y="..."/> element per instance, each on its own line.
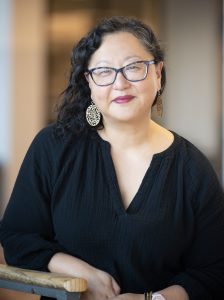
<point x="126" y="58"/>
<point x="102" y="61"/>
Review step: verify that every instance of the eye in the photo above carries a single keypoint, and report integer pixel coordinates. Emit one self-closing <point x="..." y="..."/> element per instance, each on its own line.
<point x="103" y="72"/>
<point x="133" y="67"/>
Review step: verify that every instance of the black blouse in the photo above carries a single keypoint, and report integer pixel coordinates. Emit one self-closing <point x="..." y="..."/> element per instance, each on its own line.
<point x="66" y="198"/>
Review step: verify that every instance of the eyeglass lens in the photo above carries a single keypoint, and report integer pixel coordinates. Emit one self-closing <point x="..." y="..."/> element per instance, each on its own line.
<point x="132" y="72"/>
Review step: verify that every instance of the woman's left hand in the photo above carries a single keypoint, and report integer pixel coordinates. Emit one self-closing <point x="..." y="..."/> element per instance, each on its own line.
<point x="173" y="292"/>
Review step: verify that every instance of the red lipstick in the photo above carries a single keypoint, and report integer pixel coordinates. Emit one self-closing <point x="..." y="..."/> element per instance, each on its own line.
<point x="123" y="99"/>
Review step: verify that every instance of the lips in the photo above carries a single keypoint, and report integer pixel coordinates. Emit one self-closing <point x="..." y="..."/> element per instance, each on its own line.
<point x="123" y="99"/>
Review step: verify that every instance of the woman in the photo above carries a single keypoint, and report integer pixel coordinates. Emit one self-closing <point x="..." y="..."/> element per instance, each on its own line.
<point x="107" y="194"/>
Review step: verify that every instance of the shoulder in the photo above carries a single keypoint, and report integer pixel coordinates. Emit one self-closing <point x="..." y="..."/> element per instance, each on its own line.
<point x="46" y="135"/>
<point x="47" y="145"/>
<point x="198" y="171"/>
<point x="44" y="144"/>
<point x="184" y="156"/>
<point x="46" y="138"/>
<point x="191" y="155"/>
<point x="47" y="148"/>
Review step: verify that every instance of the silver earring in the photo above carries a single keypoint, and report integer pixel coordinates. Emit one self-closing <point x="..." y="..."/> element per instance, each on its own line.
<point x="159" y="104"/>
<point x="93" y="115"/>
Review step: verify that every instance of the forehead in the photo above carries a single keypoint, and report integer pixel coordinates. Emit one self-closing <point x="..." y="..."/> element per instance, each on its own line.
<point x="118" y="47"/>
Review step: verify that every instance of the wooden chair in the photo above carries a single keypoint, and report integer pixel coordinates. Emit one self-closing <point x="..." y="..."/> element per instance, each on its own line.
<point x="52" y="285"/>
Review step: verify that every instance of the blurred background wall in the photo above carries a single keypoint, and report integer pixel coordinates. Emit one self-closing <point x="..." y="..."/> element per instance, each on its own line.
<point x="36" y="37"/>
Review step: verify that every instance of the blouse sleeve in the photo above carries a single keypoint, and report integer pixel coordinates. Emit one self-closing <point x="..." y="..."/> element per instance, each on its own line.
<point x="204" y="260"/>
<point x="26" y="232"/>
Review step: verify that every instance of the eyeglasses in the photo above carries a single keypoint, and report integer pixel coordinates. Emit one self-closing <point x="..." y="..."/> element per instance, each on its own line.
<point x="136" y="71"/>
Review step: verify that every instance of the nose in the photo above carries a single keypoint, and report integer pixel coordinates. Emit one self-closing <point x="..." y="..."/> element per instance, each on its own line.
<point x="120" y="82"/>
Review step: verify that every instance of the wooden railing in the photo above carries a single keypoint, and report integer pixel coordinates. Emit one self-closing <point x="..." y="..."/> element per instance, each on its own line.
<point x="53" y="285"/>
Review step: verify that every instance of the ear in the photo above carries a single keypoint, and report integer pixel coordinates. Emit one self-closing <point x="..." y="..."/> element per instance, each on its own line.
<point x="86" y="76"/>
<point x="159" y="68"/>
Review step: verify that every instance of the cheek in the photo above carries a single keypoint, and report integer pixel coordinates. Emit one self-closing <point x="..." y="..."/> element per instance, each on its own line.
<point x="94" y="93"/>
<point x="148" y="89"/>
<point x="98" y="94"/>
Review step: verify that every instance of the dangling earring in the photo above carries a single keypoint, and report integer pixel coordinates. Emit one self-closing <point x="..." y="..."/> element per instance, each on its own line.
<point x="159" y="104"/>
<point x="93" y="115"/>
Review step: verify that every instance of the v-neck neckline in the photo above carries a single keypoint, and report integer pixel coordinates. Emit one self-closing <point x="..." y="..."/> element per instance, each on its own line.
<point x="135" y="202"/>
<point x="146" y="183"/>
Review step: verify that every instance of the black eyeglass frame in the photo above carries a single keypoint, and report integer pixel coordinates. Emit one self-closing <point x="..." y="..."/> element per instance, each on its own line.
<point x="146" y="62"/>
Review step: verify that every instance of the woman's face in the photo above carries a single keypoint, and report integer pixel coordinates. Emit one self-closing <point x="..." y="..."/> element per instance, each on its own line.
<point x="124" y="101"/>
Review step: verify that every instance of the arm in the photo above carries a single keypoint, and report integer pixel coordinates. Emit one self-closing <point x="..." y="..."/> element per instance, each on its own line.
<point x="101" y="285"/>
<point x="175" y="292"/>
<point x="203" y="262"/>
<point x="26" y="232"/>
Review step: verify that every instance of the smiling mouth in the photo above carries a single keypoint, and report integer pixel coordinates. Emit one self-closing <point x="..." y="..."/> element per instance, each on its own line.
<point x="123" y="99"/>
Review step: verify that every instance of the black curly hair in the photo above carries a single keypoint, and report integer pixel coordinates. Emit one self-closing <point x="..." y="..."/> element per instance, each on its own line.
<point x="76" y="97"/>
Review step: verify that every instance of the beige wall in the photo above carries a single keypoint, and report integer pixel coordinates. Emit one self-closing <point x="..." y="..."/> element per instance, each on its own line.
<point x="27" y="90"/>
<point x="192" y="37"/>
<point x="28" y="81"/>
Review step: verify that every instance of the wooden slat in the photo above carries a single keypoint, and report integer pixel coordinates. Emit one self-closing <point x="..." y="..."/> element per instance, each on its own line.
<point x="70" y="284"/>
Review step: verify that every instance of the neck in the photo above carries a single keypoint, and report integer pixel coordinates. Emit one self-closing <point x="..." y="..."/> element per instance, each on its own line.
<point x="123" y="135"/>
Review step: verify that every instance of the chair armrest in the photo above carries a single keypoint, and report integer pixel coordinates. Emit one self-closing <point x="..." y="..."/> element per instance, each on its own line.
<point x="41" y="283"/>
<point x="70" y="284"/>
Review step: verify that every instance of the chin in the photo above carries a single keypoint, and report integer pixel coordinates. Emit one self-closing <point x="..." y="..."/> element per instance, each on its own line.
<point x="127" y="119"/>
